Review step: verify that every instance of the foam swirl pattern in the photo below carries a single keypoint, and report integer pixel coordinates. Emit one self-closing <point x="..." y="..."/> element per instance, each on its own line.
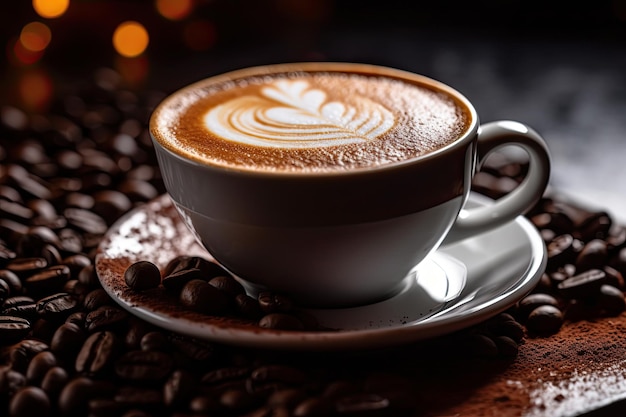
<point x="291" y="114"/>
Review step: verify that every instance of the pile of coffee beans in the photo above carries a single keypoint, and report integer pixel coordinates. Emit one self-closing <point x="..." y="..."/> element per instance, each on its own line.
<point x="68" y="349"/>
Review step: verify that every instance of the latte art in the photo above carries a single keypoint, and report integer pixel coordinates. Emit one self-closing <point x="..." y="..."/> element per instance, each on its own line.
<point x="289" y="113"/>
<point x="310" y="118"/>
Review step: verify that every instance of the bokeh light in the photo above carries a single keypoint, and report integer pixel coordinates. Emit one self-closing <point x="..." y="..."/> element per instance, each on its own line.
<point x="50" y="8"/>
<point x="199" y="35"/>
<point x="174" y="9"/>
<point x="35" y="90"/>
<point x="20" y="55"/>
<point x="130" y="39"/>
<point x="134" y="71"/>
<point x="35" y="36"/>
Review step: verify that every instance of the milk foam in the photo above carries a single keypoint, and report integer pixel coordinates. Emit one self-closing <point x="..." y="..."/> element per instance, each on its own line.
<point x="292" y="114"/>
<point x="316" y="117"/>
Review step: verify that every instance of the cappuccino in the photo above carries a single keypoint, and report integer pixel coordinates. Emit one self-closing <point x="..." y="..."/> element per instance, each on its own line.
<point x="315" y="117"/>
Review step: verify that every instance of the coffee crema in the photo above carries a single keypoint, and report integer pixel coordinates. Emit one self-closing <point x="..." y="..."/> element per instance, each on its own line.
<point x="309" y="118"/>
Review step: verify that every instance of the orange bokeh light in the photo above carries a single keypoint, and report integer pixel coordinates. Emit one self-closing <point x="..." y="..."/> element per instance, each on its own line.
<point x="35" y="36"/>
<point x="24" y="56"/>
<point x="35" y="90"/>
<point x="130" y="39"/>
<point x="50" y="8"/>
<point x="174" y="9"/>
<point x="199" y="35"/>
<point x="134" y="71"/>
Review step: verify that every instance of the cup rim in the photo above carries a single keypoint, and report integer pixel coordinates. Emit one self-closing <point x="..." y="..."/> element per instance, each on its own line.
<point x="468" y="135"/>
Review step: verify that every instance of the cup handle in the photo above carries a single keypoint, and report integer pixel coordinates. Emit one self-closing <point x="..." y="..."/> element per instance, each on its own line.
<point x="490" y="137"/>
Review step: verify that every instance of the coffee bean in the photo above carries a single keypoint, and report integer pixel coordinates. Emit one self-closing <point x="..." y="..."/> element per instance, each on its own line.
<point x="67" y="340"/>
<point x="279" y="373"/>
<point x="560" y="251"/>
<point x="614" y="277"/>
<point x="155" y="341"/>
<point x="238" y="400"/>
<point x="200" y="296"/>
<point x="507" y="347"/>
<point x="12" y="280"/>
<point x="205" y="405"/>
<point x="96" y="299"/>
<point x="209" y="269"/>
<point x="480" y="345"/>
<point x="545" y="320"/>
<point x="24" y="267"/>
<point x="175" y="281"/>
<point x="532" y="301"/>
<point x="221" y="375"/>
<point x="361" y="403"/>
<point x="23" y="351"/>
<point x="611" y="299"/>
<point x="5" y="290"/>
<point x="144" y="366"/>
<point x="179" y="388"/>
<point x="142" y="275"/>
<point x="107" y="317"/>
<point x="47" y="280"/>
<point x="281" y="321"/>
<point x="85" y="220"/>
<point x="75" y="263"/>
<point x="11" y="381"/>
<point x="30" y="401"/>
<point x="75" y="396"/>
<point x="274" y="303"/>
<point x="39" y="366"/>
<point x="53" y="381"/>
<point x="13" y="329"/>
<point x="593" y="255"/>
<point x="98" y="353"/>
<point x="57" y="306"/>
<point x="110" y="204"/>
<point x="581" y="285"/>
<point x="228" y="284"/>
<point x="248" y="307"/>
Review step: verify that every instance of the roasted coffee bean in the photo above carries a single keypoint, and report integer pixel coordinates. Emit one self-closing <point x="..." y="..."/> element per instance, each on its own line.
<point x="139" y="397"/>
<point x="179" y="388"/>
<point x="137" y="329"/>
<point x="281" y="321"/>
<point x="70" y="241"/>
<point x="238" y="400"/>
<point x="98" y="353"/>
<point x="560" y="251"/>
<point x="205" y="405"/>
<point x="53" y="381"/>
<point x="88" y="277"/>
<point x="13" y="329"/>
<point x="107" y="317"/>
<point x="85" y="220"/>
<point x="47" y="280"/>
<point x="175" y="281"/>
<point x="221" y="375"/>
<point x="209" y="269"/>
<point x="315" y="407"/>
<point x="274" y="303"/>
<point x="96" y="299"/>
<point x="57" y="306"/>
<point x="23" y="351"/>
<point x="13" y="282"/>
<point x="155" y="341"/>
<point x="5" y="290"/>
<point x="145" y="366"/>
<point x="611" y="299"/>
<point x="75" y="263"/>
<point x="77" y="318"/>
<point x="142" y="275"/>
<point x="67" y="340"/>
<point x="138" y="190"/>
<point x="279" y="373"/>
<point x="361" y="403"/>
<point x="593" y="255"/>
<point x="228" y="284"/>
<point x="11" y="381"/>
<point x="200" y="296"/>
<point x="545" y="320"/>
<point x="480" y="345"/>
<point x="288" y="398"/>
<point x="532" y="301"/>
<point x="111" y="204"/>
<point x="75" y="396"/>
<point x="507" y="347"/>
<point x="39" y="366"/>
<point x="248" y="307"/>
<point x="201" y="353"/>
<point x="597" y="226"/>
<point x="30" y="401"/>
<point x="582" y="285"/>
<point x="614" y="277"/>
<point x="24" y="267"/>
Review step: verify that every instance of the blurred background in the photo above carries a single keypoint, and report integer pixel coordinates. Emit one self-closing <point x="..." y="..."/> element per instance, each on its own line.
<point x="558" y="66"/>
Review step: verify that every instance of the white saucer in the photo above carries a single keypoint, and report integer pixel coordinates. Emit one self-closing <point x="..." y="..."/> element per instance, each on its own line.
<point x="457" y="286"/>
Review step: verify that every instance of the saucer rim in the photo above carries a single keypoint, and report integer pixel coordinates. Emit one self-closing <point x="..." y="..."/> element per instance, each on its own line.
<point x="444" y="322"/>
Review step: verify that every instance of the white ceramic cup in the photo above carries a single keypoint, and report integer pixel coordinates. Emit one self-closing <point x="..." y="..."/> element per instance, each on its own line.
<point x="344" y="238"/>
